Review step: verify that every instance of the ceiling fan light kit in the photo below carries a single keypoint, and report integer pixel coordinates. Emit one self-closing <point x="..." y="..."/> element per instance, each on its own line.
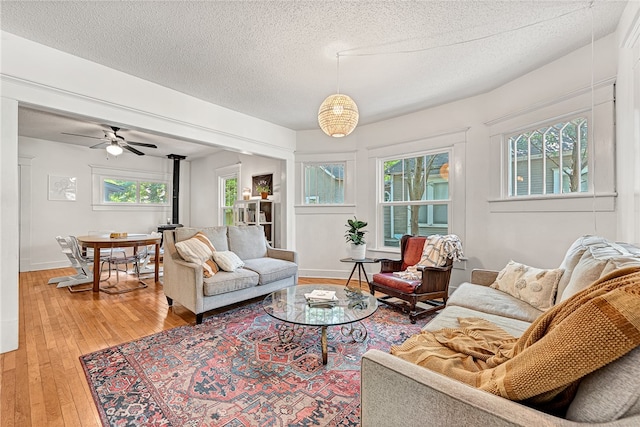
<point x="114" y="143"/>
<point x="114" y="149"/>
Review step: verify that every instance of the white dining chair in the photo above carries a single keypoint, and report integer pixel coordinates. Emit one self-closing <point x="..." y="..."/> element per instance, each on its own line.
<point x="146" y="268"/>
<point x="70" y="248"/>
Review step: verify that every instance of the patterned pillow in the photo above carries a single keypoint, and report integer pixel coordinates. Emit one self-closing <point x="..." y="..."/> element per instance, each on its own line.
<point x="532" y="285"/>
<point x="198" y="250"/>
<point x="227" y="260"/>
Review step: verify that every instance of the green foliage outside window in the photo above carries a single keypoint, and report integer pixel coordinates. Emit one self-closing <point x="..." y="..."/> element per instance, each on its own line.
<point x="123" y="191"/>
<point x="153" y="192"/>
<point x="230" y="191"/>
<point x="230" y="197"/>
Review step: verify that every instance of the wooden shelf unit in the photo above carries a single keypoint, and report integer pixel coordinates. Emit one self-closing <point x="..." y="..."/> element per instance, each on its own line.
<point x="257" y="212"/>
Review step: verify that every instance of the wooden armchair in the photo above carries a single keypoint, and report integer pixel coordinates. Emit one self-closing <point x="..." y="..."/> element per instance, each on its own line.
<point x="429" y="285"/>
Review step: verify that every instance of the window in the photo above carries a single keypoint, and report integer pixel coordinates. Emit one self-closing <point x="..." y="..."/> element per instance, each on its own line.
<point x="229" y="195"/>
<point x="323" y="183"/>
<point x="551" y="159"/>
<point x="134" y="192"/>
<point x="415" y="196"/>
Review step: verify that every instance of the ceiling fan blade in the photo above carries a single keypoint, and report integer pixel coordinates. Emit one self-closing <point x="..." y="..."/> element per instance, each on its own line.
<point x="142" y="144"/>
<point x="84" y="136"/>
<point x="133" y="150"/>
<point x="100" y="145"/>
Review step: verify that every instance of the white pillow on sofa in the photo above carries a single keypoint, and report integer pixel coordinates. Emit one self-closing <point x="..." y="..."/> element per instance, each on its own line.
<point x="534" y="286"/>
<point x="227" y="260"/>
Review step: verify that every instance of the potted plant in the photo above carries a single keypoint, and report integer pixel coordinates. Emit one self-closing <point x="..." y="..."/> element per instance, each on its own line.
<point x="355" y="236"/>
<point x="263" y="190"/>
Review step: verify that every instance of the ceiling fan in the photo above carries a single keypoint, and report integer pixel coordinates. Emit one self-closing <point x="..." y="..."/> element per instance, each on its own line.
<point x="115" y="143"/>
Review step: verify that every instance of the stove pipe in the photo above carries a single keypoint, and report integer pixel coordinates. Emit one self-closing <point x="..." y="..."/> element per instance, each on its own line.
<point x="176" y="186"/>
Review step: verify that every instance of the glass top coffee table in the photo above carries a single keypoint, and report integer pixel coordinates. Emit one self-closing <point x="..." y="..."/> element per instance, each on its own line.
<point x="290" y="306"/>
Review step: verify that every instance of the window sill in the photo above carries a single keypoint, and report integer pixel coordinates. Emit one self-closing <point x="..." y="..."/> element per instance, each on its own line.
<point x="132" y="207"/>
<point x="601" y="202"/>
<point x="324" y="209"/>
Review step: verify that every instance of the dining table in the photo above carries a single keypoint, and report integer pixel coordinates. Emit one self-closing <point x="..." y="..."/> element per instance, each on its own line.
<point x="106" y="241"/>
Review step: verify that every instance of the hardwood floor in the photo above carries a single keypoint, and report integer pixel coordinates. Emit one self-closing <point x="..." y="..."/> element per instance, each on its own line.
<point x="42" y="383"/>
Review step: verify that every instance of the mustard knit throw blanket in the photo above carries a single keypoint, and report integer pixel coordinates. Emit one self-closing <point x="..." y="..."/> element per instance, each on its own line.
<point x="543" y="367"/>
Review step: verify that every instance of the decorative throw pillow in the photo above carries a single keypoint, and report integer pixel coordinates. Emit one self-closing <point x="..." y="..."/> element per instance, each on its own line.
<point x="227" y="260"/>
<point x="534" y="286"/>
<point x="198" y="250"/>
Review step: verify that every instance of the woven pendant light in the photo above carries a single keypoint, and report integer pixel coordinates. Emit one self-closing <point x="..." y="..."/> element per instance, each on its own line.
<point x="338" y="114"/>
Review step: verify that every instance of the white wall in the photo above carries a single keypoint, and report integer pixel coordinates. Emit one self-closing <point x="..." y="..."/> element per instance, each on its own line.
<point x="9" y="237"/>
<point x="628" y="124"/>
<point x="205" y="207"/>
<point x="50" y="218"/>
<point x="68" y="84"/>
<point x="72" y="85"/>
<point x="491" y="235"/>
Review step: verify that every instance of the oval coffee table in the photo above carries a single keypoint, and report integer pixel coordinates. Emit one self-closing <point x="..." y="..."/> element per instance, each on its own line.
<point x="290" y="306"/>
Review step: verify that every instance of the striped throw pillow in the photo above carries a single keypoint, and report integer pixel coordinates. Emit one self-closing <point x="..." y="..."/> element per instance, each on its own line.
<point x="198" y="250"/>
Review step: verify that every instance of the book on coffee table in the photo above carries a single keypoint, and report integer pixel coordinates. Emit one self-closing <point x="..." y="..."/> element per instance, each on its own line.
<point x="321" y="295"/>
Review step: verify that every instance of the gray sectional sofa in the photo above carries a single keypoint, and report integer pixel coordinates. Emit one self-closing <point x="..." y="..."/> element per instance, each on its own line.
<point x="265" y="270"/>
<point x="395" y="392"/>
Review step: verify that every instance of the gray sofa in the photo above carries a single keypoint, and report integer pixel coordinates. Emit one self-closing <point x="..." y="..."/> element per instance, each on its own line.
<point x="265" y="270"/>
<point x="398" y="393"/>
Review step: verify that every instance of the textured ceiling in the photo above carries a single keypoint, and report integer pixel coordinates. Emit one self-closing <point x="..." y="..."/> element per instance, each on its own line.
<point x="276" y="60"/>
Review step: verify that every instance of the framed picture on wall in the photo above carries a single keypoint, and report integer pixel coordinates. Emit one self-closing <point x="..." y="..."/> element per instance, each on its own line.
<point x="62" y="188"/>
<point x="261" y="181"/>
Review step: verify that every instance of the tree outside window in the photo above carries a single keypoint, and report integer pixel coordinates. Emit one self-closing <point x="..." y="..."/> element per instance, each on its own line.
<point x="230" y="186"/>
<point x="415" y="197"/>
<point x="552" y="159"/>
<point x="121" y="191"/>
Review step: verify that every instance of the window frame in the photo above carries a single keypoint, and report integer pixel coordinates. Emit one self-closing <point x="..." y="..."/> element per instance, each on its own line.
<point x="350" y="190"/>
<point x="222" y="174"/>
<point x="100" y="173"/>
<point x="381" y="204"/>
<point x="508" y="167"/>
<point x="600" y="104"/>
<point x="305" y="198"/>
<point x="454" y="140"/>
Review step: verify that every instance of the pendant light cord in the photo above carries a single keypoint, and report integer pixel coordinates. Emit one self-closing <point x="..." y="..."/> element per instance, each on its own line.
<point x="592" y="131"/>
<point x="350" y="52"/>
<point x="338" y="72"/>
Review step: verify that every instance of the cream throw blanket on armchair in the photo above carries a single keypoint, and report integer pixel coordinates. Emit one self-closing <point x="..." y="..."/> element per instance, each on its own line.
<point x="435" y="252"/>
<point x="543" y="367"/>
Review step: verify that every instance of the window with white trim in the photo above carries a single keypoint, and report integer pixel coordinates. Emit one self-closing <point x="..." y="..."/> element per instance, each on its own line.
<point x="416" y="196"/>
<point x="228" y="196"/>
<point x="549" y="159"/>
<point x="115" y="189"/>
<point x="323" y="183"/>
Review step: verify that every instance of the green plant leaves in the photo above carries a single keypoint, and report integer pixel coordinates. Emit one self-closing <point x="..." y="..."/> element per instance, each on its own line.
<point x="355" y="234"/>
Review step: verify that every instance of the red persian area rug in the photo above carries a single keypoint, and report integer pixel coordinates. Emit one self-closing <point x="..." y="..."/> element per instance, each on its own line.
<point x="232" y="370"/>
